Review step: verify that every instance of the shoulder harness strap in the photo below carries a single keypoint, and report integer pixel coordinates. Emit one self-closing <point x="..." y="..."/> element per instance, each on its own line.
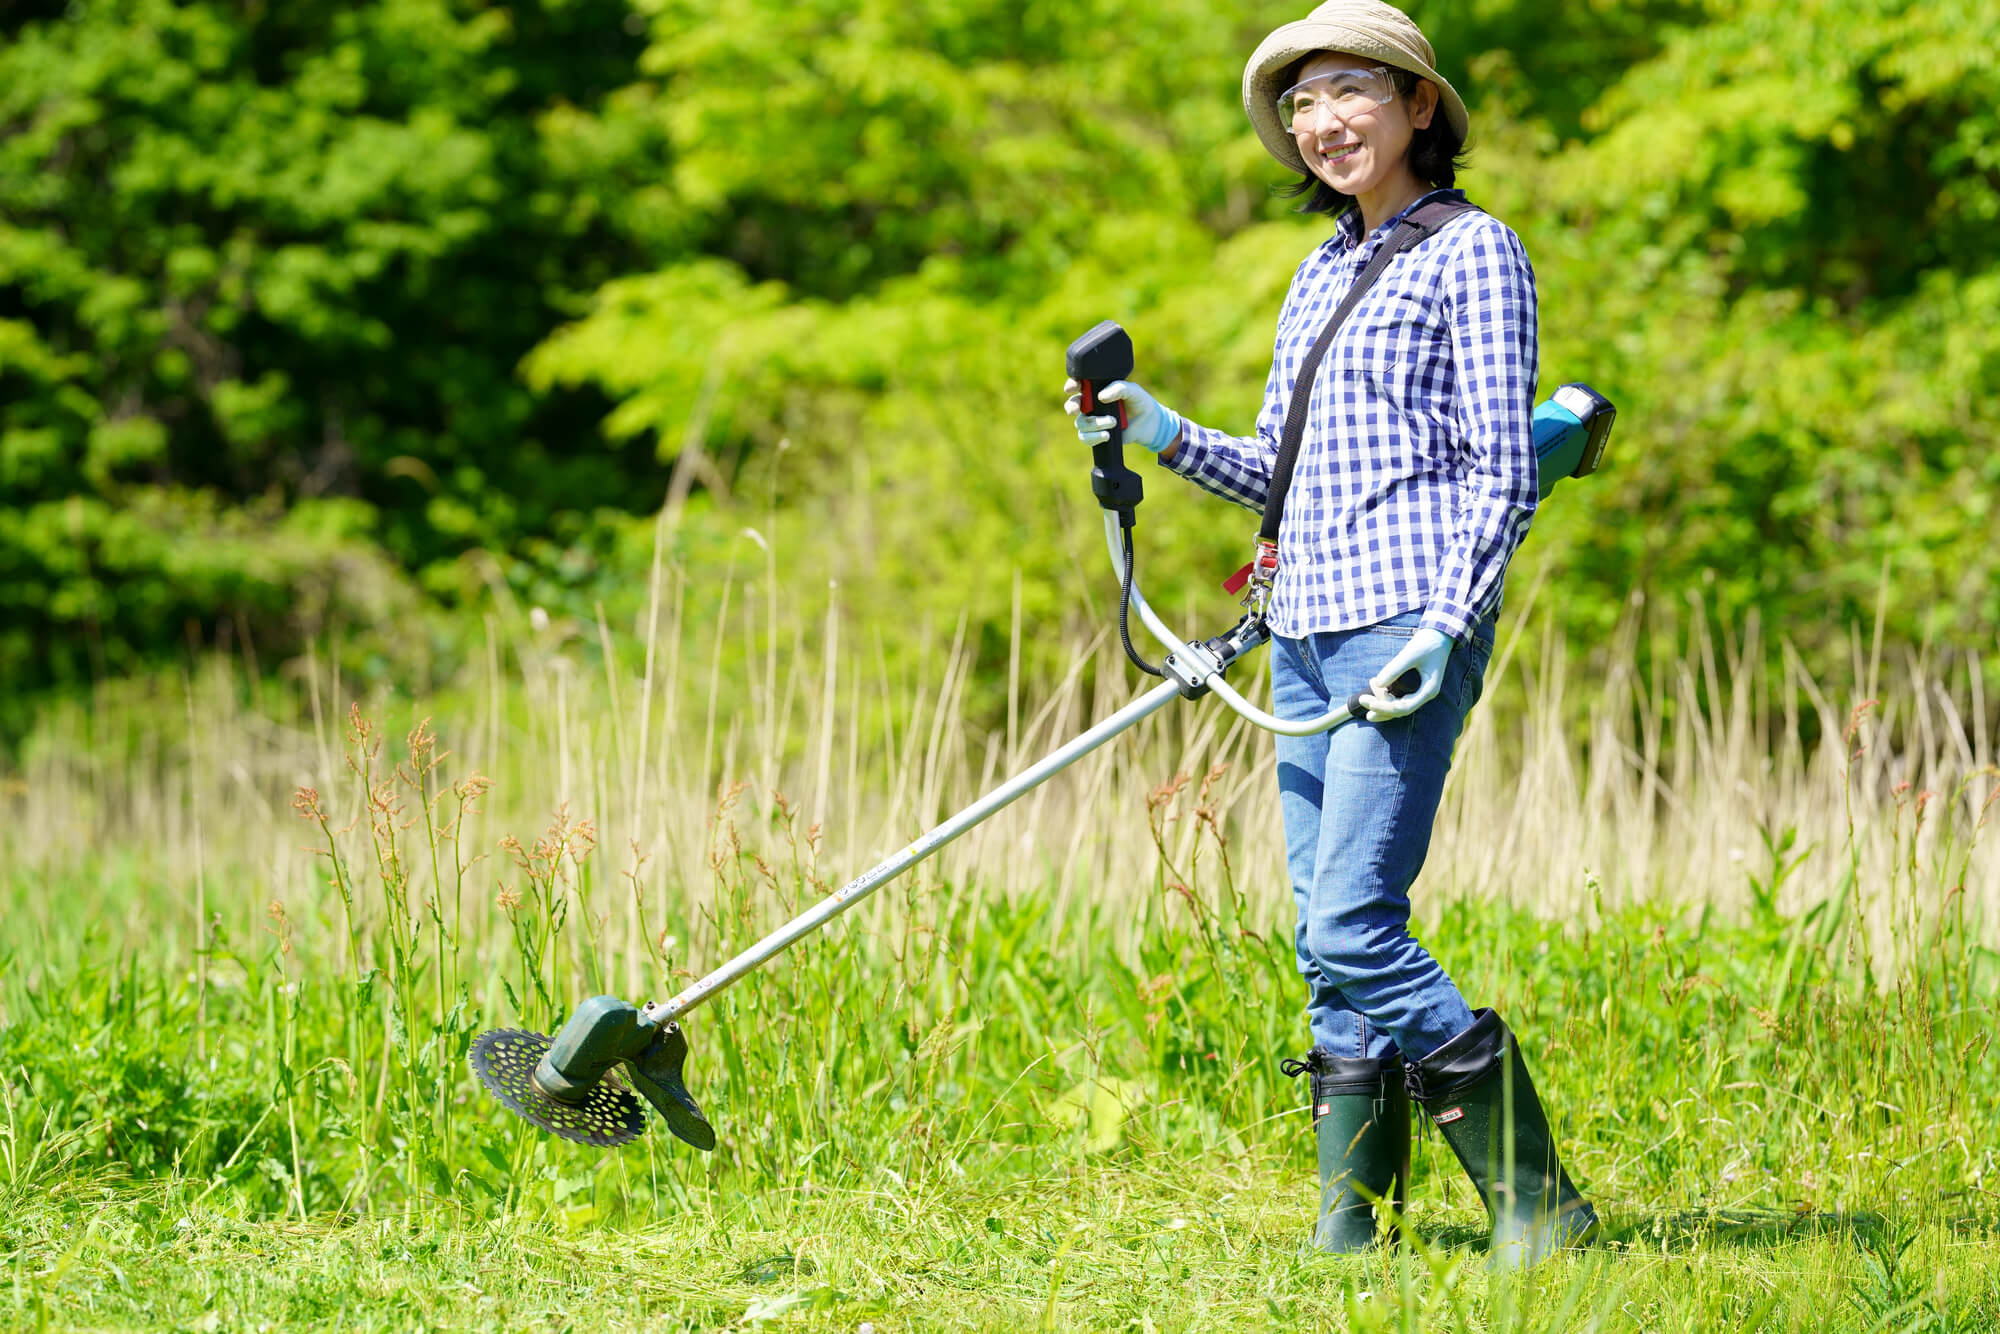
<point x="1415" y="227"/>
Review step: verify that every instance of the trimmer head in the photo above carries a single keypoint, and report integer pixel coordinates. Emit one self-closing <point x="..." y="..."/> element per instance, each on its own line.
<point x="505" y="1060"/>
<point x="565" y="1084"/>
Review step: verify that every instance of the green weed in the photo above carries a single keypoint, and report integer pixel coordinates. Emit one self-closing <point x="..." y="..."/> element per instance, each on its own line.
<point x="1032" y="1086"/>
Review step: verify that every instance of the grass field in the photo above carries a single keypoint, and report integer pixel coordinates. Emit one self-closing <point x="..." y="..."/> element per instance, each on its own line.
<point x="249" y="930"/>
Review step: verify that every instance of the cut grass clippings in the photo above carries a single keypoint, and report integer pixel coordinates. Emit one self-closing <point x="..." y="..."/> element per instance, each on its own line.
<point x="1827" y="1167"/>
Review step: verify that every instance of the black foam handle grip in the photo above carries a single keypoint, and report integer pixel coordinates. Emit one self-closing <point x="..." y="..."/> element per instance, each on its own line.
<point x="1402" y="685"/>
<point x="1102" y="355"/>
<point x="1094" y="361"/>
<point x="1111" y="453"/>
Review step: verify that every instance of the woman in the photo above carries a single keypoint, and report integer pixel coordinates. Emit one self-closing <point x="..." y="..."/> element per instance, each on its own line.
<point x="1414" y="481"/>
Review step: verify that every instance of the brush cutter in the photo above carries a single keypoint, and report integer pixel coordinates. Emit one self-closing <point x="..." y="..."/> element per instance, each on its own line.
<point x="585" y="1083"/>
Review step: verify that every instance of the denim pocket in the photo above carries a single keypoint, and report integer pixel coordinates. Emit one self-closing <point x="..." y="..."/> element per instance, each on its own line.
<point x="1403" y="625"/>
<point x="1472" y="674"/>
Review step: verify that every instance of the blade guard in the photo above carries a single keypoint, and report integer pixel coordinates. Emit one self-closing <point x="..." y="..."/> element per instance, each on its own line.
<point x="656" y="1073"/>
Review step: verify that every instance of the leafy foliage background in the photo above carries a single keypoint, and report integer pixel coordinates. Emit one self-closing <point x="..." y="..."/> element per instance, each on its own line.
<point x="345" y="319"/>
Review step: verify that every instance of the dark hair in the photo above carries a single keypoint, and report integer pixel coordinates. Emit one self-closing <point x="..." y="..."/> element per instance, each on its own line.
<point x="1437" y="151"/>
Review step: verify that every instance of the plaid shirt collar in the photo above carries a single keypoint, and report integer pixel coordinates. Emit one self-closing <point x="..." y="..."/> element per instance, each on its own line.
<point x="1347" y="227"/>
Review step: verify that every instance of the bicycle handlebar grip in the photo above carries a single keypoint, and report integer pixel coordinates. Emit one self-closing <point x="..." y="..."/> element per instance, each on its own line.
<point x="1095" y="360"/>
<point x="1401" y="686"/>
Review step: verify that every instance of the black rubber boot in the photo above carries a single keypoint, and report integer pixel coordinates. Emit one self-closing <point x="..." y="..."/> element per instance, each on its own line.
<point x="1476" y="1090"/>
<point x="1361" y="1119"/>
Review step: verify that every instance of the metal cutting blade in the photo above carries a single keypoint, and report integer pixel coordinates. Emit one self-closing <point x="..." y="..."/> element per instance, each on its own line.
<point x="505" y="1059"/>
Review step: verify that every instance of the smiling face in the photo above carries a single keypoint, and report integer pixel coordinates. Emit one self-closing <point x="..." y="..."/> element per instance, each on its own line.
<point x="1356" y="145"/>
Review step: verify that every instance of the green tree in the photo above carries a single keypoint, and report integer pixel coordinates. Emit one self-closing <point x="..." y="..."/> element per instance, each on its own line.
<point x="1763" y="228"/>
<point x="325" y="312"/>
<point x="265" y="272"/>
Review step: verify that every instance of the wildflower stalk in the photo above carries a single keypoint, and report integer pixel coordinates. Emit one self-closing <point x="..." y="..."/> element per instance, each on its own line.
<point x="420" y="778"/>
<point x="288" y="1002"/>
<point x="307" y="803"/>
<point x="424" y="761"/>
<point x="467" y="793"/>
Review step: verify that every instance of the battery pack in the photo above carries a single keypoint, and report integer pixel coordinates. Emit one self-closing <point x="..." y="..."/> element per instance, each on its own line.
<point x="1571" y="429"/>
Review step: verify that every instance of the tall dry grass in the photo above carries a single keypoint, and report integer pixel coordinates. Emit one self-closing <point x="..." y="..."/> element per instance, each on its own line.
<point x="205" y="1023"/>
<point x="1671" y="763"/>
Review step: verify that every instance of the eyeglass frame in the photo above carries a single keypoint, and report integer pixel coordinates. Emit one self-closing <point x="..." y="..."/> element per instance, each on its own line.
<point x="1387" y="73"/>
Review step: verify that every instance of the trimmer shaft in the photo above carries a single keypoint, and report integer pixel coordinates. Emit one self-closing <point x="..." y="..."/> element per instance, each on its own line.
<point x="505" y="1059"/>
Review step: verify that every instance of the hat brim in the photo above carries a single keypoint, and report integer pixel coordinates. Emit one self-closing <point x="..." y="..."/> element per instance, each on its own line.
<point x="1288" y="45"/>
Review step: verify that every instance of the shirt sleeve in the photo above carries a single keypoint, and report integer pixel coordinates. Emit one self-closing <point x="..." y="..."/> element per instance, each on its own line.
<point x="1490" y="288"/>
<point x="1238" y="467"/>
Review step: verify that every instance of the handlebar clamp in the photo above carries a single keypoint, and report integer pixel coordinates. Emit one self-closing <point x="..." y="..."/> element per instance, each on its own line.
<point x="1189" y="667"/>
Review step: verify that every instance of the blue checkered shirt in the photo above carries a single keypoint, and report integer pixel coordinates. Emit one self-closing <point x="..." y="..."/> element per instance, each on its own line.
<point x="1416" y="475"/>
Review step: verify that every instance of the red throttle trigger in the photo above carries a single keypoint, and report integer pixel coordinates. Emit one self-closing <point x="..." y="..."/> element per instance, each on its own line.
<point x="1090" y="404"/>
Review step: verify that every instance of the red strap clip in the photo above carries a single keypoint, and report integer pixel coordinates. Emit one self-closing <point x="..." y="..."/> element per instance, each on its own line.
<point x="1264" y="567"/>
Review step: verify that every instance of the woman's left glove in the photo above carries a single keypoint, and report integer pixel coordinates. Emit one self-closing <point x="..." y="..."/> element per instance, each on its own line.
<point x="1151" y="423"/>
<point x="1428" y="651"/>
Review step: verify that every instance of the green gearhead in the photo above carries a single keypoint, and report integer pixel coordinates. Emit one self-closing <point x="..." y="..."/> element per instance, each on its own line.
<point x="1477" y="1091"/>
<point x="1361" y="1120"/>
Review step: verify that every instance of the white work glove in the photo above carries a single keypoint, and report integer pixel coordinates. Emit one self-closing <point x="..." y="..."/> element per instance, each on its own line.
<point x="1151" y="423"/>
<point x="1427" y="651"/>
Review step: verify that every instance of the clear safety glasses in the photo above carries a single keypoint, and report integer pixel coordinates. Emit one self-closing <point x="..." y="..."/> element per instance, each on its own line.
<point x="1344" y="92"/>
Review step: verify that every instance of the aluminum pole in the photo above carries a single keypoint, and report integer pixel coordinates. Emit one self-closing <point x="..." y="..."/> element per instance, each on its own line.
<point x="863" y="885"/>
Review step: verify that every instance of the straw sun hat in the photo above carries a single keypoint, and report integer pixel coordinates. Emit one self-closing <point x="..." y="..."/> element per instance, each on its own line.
<point x="1368" y="28"/>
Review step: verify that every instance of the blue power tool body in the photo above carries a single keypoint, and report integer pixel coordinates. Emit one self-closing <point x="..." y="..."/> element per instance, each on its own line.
<point x="1571" y="428"/>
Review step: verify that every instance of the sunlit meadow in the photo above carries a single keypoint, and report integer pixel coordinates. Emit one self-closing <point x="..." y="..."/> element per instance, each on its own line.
<point x="1744" y="927"/>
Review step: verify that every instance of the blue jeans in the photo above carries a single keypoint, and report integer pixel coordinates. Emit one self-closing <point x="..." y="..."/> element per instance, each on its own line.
<point x="1358" y="805"/>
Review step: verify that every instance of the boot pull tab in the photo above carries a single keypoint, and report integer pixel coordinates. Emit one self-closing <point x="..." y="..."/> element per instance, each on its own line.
<point x="1413" y="1084"/>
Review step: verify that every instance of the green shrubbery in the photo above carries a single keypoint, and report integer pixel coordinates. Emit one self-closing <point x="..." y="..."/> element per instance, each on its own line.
<point x="313" y="315"/>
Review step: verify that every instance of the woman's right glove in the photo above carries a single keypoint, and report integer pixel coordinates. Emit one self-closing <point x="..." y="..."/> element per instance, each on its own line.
<point x="1150" y="422"/>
